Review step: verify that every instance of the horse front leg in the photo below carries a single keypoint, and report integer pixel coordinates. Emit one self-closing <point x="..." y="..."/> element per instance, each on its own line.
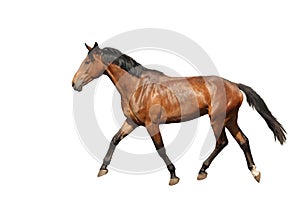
<point x="127" y="127"/>
<point x="153" y="130"/>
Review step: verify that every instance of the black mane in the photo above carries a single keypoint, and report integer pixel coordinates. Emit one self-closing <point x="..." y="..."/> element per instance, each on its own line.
<point x="114" y="56"/>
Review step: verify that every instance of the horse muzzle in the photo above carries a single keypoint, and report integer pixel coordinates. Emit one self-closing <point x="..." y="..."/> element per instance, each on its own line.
<point x="77" y="86"/>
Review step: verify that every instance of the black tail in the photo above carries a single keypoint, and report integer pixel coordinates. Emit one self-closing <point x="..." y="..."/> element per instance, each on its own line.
<point x="255" y="101"/>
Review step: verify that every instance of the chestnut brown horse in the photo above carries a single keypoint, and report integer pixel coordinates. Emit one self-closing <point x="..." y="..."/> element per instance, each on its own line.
<point x="150" y="98"/>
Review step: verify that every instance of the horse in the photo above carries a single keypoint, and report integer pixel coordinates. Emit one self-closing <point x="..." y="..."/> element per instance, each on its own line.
<point x="150" y="98"/>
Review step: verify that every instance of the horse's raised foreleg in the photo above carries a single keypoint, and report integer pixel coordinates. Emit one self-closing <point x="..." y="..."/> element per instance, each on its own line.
<point x="243" y="141"/>
<point x="154" y="132"/>
<point x="127" y="127"/>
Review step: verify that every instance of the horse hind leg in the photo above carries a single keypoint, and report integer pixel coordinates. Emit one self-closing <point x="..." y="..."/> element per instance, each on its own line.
<point x="243" y="141"/>
<point x="221" y="142"/>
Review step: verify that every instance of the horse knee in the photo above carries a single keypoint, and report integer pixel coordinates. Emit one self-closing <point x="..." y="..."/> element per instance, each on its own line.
<point x="224" y="143"/>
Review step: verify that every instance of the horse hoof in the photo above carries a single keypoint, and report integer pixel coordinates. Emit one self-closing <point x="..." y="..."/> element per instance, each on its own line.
<point x="174" y="181"/>
<point x="102" y="172"/>
<point x="257" y="177"/>
<point x="256" y="174"/>
<point x="201" y="176"/>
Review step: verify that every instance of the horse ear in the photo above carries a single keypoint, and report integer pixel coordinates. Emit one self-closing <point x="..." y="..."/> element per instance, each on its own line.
<point x="88" y="47"/>
<point x="95" y="45"/>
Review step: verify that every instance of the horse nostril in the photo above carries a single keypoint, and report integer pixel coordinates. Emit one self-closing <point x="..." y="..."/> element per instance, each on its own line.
<point x="73" y="84"/>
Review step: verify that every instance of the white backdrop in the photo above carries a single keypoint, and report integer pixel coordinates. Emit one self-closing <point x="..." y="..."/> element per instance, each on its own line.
<point x="255" y="43"/>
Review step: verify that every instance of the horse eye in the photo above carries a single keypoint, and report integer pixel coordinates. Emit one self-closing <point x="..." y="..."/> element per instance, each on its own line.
<point x="87" y="62"/>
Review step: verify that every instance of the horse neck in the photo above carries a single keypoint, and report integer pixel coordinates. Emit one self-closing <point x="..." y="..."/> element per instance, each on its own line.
<point x="125" y="83"/>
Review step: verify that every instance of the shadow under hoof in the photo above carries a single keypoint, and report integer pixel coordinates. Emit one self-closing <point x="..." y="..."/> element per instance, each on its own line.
<point x="202" y="176"/>
<point x="174" y="181"/>
<point x="257" y="177"/>
<point x="102" y="172"/>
